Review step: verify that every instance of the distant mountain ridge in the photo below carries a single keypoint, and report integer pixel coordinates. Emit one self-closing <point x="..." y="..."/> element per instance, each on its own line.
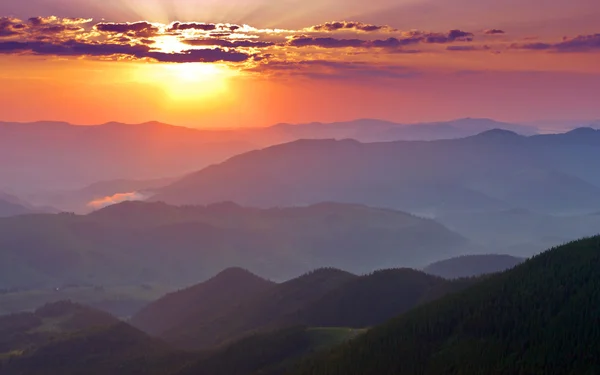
<point x="472" y="265"/>
<point x="490" y="171"/>
<point x="321" y="298"/>
<point x="133" y="243"/>
<point x="48" y="156"/>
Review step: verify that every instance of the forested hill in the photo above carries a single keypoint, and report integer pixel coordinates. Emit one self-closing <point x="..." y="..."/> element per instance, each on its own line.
<point x="539" y="318"/>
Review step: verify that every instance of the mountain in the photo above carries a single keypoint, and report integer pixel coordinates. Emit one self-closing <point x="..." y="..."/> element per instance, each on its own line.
<point x="374" y="298"/>
<point x="135" y="243"/>
<point x="13" y="206"/>
<point x="323" y="298"/>
<point x="520" y="232"/>
<point x="270" y="353"/>
<point x="373" y="130"/>
<point x="256" y="313"/>
<point x="67" y="338"/>
<point x="206" y="300"/>
<point x="460" y="128"/>
<point x="49" y="156"/>
<point x="46" y="157"/>
<point x="19" y="332"/>
<point x="100" y="194"/>
<point x="12" y="209"/>
<point x="472" y="265"/>
<point x="492" y="171"/>
<point x="118" y="349"/>
<point x="533" y="319"/>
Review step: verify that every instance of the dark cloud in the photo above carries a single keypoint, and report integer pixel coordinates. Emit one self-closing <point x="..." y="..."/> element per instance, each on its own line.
<point x="228" y="43"/>
<point x="139" y="29"/>
<point x="10" y="27"/>
<point x="192" y="26"/>
<point x="451" y="36"/>
<point x="38" y="21"/>
<point x="200" y="55"/>
<point x="494" y="32"/>
<point x="305" y="41"/>
<point x="391" y="43"/>
<point x="75" y="48"/>
<point x="468" y="48"/>
<point x="581" y="43"/>
<point x="338" y="70"/>
<point x="179" y="26"/>
<point x="533" y="46"/>
<point x="349" y="25"/>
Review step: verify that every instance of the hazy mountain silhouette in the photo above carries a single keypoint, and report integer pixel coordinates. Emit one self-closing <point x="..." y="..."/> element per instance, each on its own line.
<point x="85" y="199"/>
<point x="202" y="302"/>
<point x="51" y="156"/>
<point x="19" y="332"/>
<point x="258" y="312"/>
<point x="472" y="265"/>
<point x="134" y="243"/>
<point x="494" y="170"/>
<point x="520" y="231"/>
<point x="11" y="205"/>
<point x="372" y="130"/>
<point x="532" y="319"/>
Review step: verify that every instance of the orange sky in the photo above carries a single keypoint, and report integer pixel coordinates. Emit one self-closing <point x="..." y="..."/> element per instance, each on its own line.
<point x="260" y="64"/>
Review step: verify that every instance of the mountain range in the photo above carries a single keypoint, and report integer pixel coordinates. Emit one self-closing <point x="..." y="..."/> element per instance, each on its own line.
<point x="491" y="171"/>
<point x="538" y="317"/>
<point x="55" y="157"/>
<point x="135" y="243"/>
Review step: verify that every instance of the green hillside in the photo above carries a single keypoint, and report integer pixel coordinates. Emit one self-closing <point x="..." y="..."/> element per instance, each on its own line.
<point x="269" y="353"/>
<point x="261" y="312"/>
<point x="372" y="299"/>
<point x="20" y="332"/>
<point x="202" y="302"/>
<point x="539" y="318"/>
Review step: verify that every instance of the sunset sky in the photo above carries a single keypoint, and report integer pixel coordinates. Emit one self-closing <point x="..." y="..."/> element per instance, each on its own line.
<point x="230" y="63"/>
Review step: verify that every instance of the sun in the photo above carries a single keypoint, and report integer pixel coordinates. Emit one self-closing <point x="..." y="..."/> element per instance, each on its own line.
<point x="195" y="72"/>
<point x="187" y="82"/>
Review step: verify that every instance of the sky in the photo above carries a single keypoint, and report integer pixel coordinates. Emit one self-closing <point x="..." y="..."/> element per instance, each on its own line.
<point x="240" y="63"/>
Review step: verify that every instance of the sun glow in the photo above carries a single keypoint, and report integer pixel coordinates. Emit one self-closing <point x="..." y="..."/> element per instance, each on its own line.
<point x="187" y="82"/>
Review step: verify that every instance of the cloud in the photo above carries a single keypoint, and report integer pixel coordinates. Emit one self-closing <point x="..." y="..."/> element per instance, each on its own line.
<point x="580" y="43"/>
<point x="182" y="26"/>
<point x="338" y="70"/>
<point x="75" y="48"/>
<point x="305" y="41"/>
<point x="114" y="199"/>
<point x="200" y="55"/>
<point x="407" y="38"/>
<point x="451" y="36"/>
<point x="140" y="29"/>
<point x="192" y="26"/>
<point x="210" y="42"/>
<point x="349" y="25"/>
<point x="494" y="32"/>
<point x="468" y="48"/>
<point x="10" y="27"/>
<point x="228" y="43"/>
